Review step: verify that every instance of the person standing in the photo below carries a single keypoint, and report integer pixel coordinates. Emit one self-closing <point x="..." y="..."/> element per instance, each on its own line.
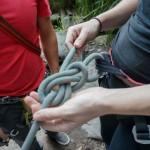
<point x="22" y="70"/>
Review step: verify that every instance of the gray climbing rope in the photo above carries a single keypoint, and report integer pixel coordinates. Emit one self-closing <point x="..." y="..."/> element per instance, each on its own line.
<point x="67" y="76"/>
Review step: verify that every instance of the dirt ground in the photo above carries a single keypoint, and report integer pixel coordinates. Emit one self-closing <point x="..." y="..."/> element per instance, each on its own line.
<point x="80" y="139"/>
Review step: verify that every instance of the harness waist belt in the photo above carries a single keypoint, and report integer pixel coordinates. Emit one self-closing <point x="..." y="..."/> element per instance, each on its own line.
<point x="9" y="99"/>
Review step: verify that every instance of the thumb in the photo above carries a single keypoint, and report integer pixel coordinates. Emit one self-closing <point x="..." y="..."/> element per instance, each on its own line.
<point x="80" y="41"/>
<point x="47" y="114"/>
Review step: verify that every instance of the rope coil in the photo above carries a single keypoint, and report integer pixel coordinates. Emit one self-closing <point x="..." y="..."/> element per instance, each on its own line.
<point x="67" y="75"/>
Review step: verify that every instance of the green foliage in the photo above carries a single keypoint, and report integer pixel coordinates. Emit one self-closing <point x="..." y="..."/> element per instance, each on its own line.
<point x="87" y="8"/>
<point x="83" y="11"/>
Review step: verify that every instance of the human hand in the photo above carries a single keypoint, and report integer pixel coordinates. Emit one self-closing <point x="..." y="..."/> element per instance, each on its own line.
<point x="33" y="101"/>
<point x="75" y="112"/>
<point x="79" y="35"/>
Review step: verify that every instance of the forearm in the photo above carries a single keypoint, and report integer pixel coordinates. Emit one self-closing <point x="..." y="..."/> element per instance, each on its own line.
<point x="50" y="50"/>
<point x="49" y="43"/>
<point x="129" y="101"/>
<point x="118" y="15"/>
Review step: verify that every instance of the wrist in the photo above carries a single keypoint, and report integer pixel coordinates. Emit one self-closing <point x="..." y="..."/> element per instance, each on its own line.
<point x="98" y="24"/>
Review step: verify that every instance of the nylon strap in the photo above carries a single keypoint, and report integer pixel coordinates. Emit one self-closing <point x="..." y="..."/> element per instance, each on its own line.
<point x="142" y="129"/>
<point x="17" y="36"/>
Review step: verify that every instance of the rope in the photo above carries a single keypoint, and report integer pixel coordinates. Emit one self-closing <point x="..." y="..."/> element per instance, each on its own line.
<point x="68" y="74"/>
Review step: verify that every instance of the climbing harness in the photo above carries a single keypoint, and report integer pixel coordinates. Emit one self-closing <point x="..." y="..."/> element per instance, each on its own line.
<point x="65" y="78"/>
<point x="141" y="130"/>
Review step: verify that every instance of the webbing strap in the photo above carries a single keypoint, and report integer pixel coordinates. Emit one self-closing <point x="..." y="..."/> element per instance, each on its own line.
<point x="16" y="35"/>
<point x="133" y="82"/>
<point x="142" y="129"/>
<point x="106" y="66"/>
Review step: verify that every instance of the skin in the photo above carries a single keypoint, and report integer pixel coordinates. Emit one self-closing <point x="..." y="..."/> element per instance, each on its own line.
<point x="3" y="136"/>
<point x="93" y="102"/>
<point x="49" y="43"/>
<point x="79" y="35"/>
<point x="90" y="103"/>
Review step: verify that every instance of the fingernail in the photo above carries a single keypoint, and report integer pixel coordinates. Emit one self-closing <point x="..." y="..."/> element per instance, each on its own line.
<point x="36" y="116"/>
<point x="77" y="43"/>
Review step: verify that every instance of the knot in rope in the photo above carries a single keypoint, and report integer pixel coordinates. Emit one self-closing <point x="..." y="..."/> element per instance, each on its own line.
<point x="69" y="80"/>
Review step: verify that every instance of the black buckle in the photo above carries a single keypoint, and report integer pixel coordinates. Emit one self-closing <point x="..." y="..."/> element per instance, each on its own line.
<point x="9" y="100"/>
<point x="142" y="138"/>
<point x="14" y="133"/>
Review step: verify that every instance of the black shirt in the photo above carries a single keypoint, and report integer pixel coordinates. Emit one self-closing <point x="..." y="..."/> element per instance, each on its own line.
<point x="131" y="46"/>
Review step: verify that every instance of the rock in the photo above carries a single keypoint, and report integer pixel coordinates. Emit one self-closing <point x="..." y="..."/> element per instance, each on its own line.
<point x="80" y="148"/>
<point x="61" y="36"/>
<point x="93" y="129"/>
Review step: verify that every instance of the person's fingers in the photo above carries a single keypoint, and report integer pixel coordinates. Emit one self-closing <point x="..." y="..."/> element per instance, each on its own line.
<point x="69" y="45"/>
<point x="30" y="100"/>
<point x="49" y="114"/>
<point x="32" y="103"/>
<point x="81" y="40"/>
<point x="81" y="49"/>
<point x="71" y="37"/>
<point x="35" y="107"/>
<point x="35" y="95"/>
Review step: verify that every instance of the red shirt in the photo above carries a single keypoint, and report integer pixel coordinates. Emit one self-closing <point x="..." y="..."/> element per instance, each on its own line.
<point x="21" y="71"/>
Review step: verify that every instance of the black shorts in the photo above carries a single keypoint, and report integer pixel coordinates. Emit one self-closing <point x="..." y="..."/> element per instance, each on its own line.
<point x="10" y="114"/>
<point x="12" y="121"/>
